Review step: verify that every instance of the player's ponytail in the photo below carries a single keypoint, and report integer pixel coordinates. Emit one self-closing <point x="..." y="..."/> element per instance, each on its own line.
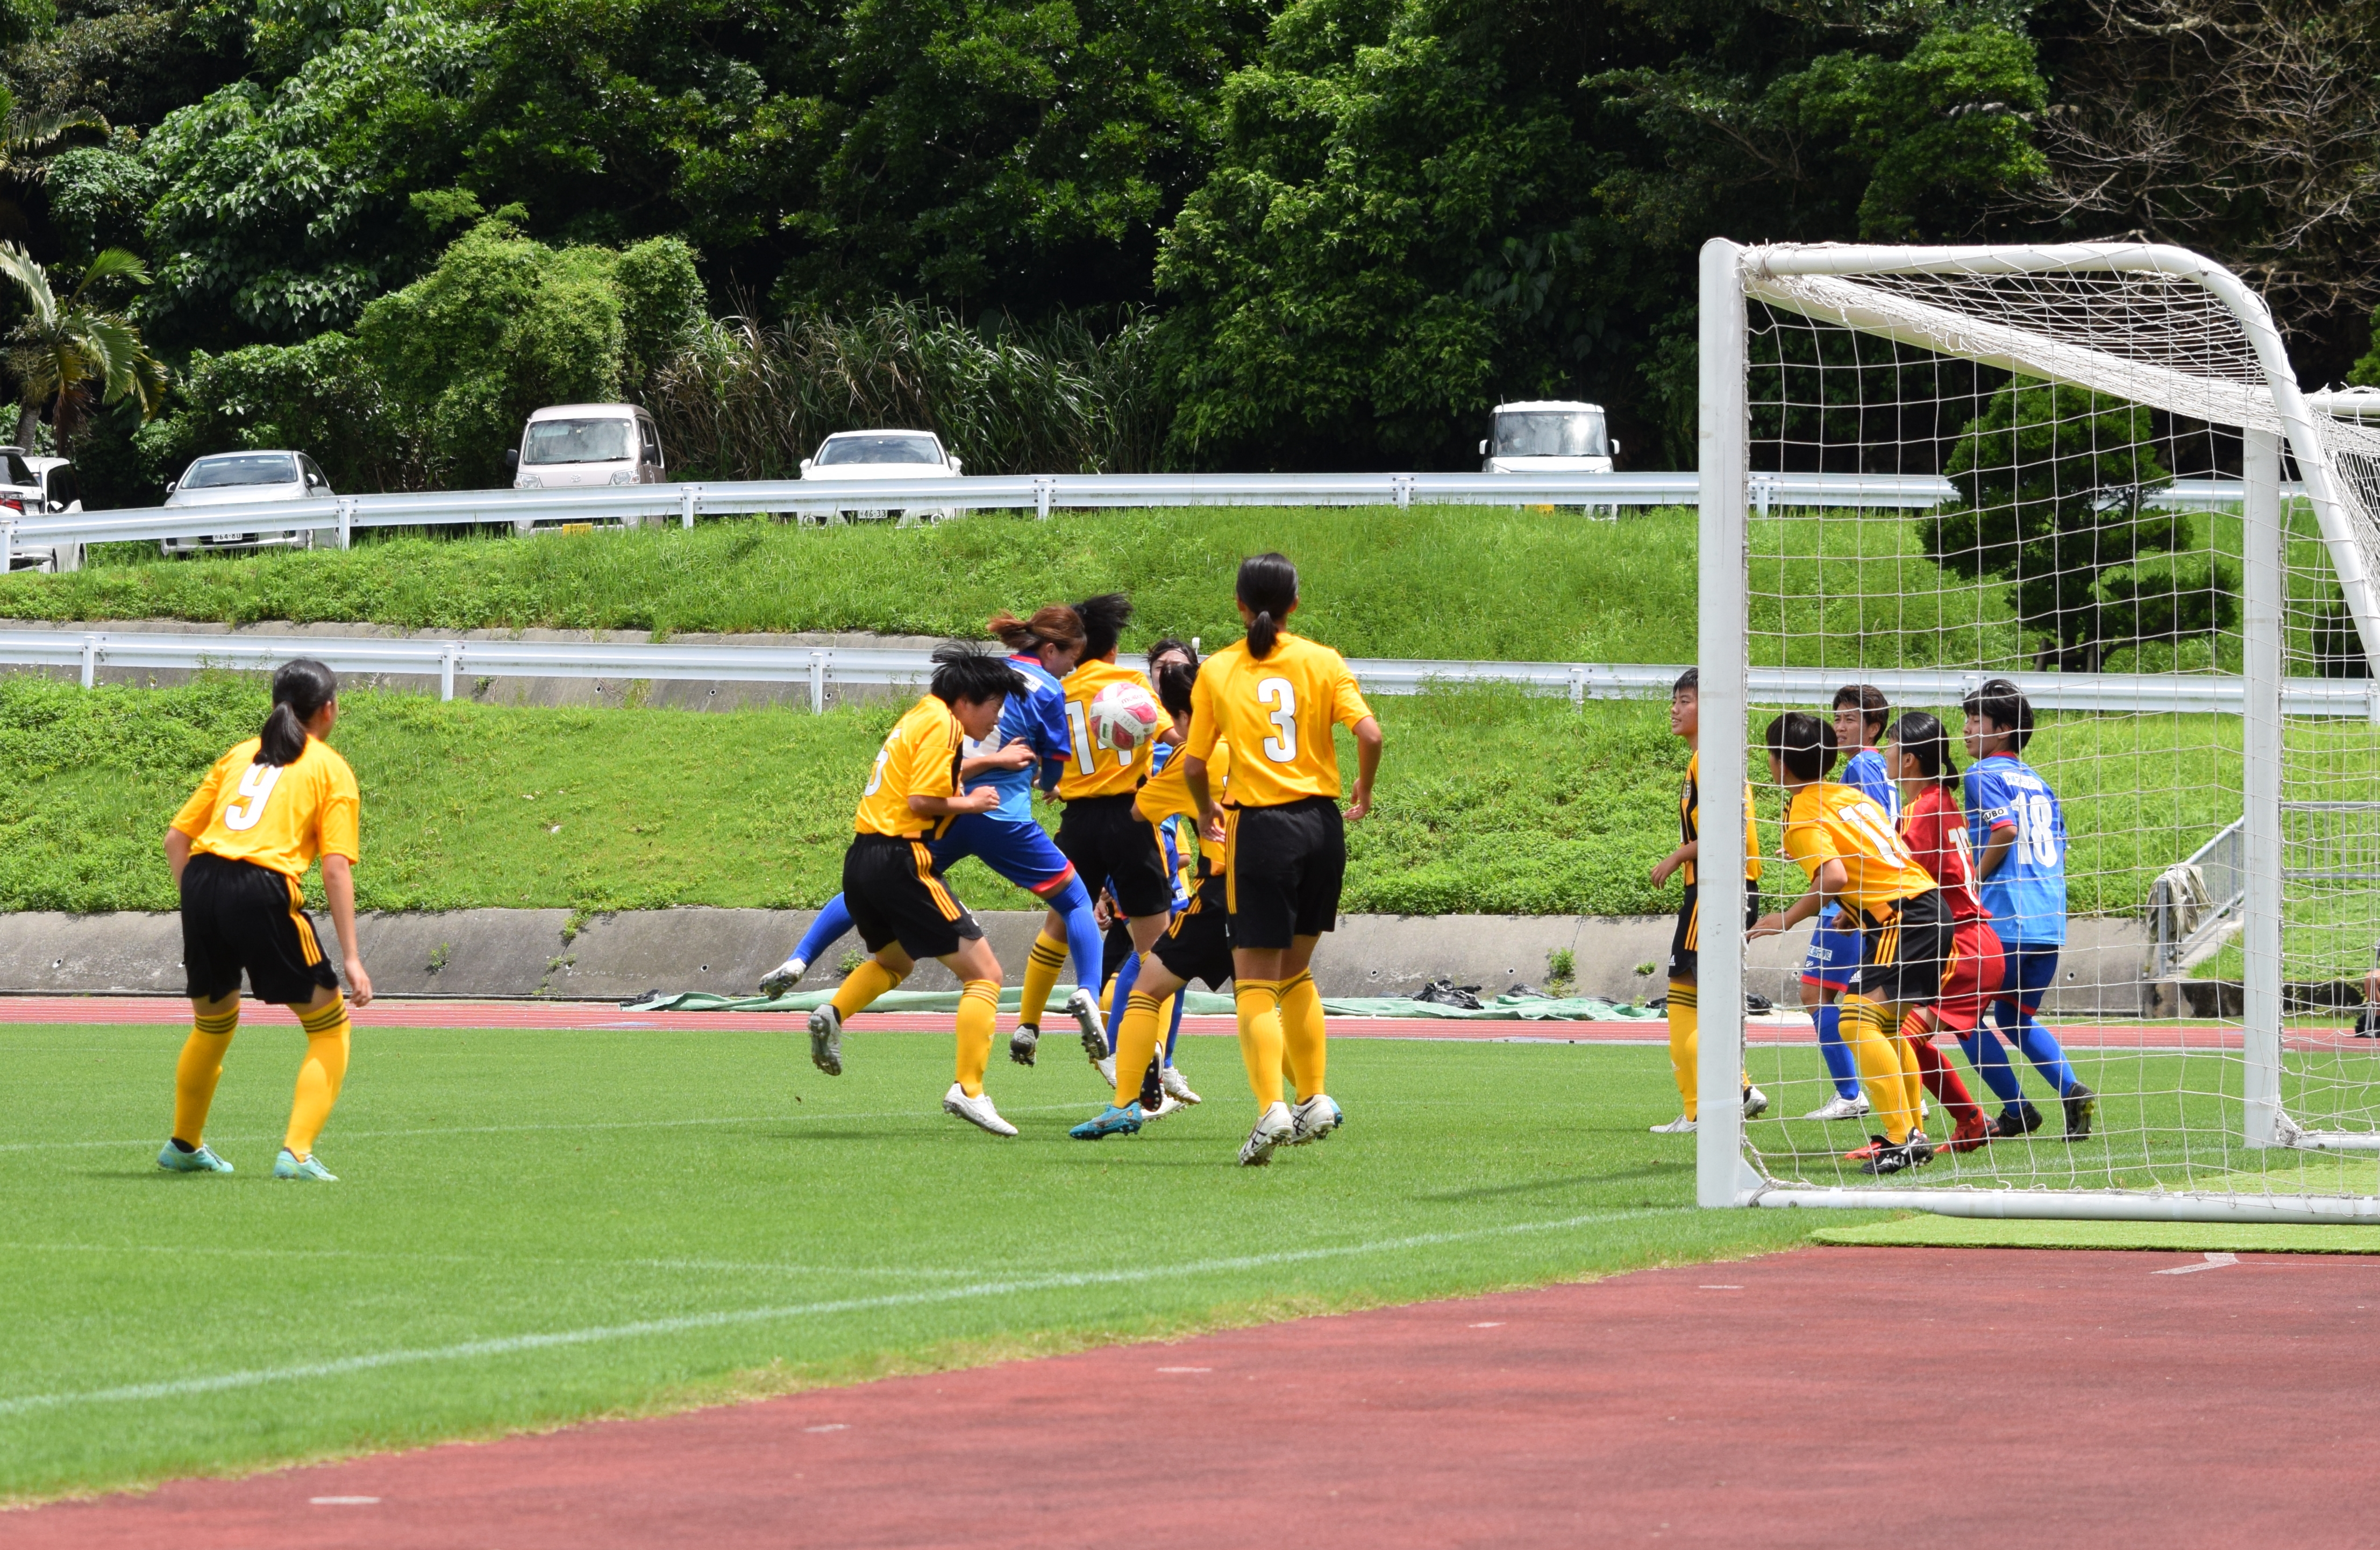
<point x="300" y="690"/>
<point x="1925" y="740"/>
<point x="1055" y="624"/>
<point x="1103" y="618"/>
<point x="1268" y="587"/>
<point x="1803" y="744"/>
<point x="1174" y="682"/>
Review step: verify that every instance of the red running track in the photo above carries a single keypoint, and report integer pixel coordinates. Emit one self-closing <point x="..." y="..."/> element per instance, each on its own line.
<point x="1824" y="1398"/>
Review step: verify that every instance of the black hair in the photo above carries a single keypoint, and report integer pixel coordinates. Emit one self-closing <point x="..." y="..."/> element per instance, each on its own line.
<point x="1923" y="737"/>
<point x="2005" y="706"/>
<point x="1875" y="709"/>
<point x="1269" y="586"/>
<point x="1103" y="618"/>
<point x="1804" y="743"/>
<point x="1174" y="682"/>
<point x="1173" y="644"/>
<point x="300" y="689"/>
<point x="963" y="671"/>
<point x="1691" y="678"/>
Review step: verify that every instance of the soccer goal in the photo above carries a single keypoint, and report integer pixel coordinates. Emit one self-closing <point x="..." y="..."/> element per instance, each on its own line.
<point x="2170" y="550"/>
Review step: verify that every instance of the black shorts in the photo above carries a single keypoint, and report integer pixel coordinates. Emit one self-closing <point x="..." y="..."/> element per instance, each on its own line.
<point x="1284" y="868"/>
<point x="1197" y="946"/>
<point x="237" y="915"/>
<point x="1904" y="951"/>
<point x="893" y="895"/>
<point x="1110" y="844"/>
<point x="1686" y="942"/>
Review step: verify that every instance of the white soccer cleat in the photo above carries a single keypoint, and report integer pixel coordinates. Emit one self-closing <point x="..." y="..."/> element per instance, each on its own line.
<point x="783" y="978"/>
<point x="1314" y="1120"/>
<point x="977" y="1111"/>
<point x="1084" y="1008"/>
<point x="1840" y="1108"/>
<point x="1680" y="1126"/>
<point x="1755" y="1103"/>
<point x="1105" y="1067"/>
<point x="1175" y="1087"/>
<point x="1273" y="1129"/>
<point x="826" y="1040"/>
<point x="1167" y="1104"/>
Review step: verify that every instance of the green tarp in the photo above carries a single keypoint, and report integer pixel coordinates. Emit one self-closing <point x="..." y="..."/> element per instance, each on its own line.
<point x="1524" y="1008"/>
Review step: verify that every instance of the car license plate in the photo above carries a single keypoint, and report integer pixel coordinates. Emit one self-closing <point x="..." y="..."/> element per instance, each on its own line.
<point x="225" y="537"/>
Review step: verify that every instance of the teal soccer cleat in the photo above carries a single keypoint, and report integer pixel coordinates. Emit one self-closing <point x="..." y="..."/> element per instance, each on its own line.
<point x="173" y="1159"/>
<point x="290" y="1166"/>
<point x="1124" y="1121"/>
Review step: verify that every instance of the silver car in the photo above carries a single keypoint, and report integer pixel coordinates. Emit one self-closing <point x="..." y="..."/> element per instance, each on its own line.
<point x="243" y="478"/>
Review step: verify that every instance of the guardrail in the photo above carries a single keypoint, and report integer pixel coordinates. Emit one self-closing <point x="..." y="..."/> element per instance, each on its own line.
<point x="633" y="504"/>
<point x="821" y="666"/>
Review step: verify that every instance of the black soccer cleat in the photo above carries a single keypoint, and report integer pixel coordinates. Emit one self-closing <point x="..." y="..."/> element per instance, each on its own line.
<point x="1152" y="1085"/>
<point x="1890" y="1159"/>
<point x="2021" y="1120"/>
<point x="2081" y="1104"/>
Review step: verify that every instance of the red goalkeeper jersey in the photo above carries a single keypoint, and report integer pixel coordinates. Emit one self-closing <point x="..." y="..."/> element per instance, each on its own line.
<point x="1935" y="834"/>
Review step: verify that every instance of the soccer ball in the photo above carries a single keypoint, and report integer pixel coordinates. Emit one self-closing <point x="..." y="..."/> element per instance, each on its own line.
<point x="1123" y="716"/>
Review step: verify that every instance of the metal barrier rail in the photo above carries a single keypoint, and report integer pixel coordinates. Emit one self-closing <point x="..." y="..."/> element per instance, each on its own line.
<point x="819" y="666"/>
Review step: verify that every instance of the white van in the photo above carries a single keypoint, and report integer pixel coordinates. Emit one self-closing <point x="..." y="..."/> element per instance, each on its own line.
<point x="1549" y="435"/>
<point x="573" y="445"/>
<point x="30" y="489"/>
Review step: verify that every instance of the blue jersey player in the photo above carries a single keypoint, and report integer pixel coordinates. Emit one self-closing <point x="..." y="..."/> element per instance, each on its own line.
<point x="1861" y="715"/>
<point x="1030" y="745"/>
<point x="2017" y="834"/>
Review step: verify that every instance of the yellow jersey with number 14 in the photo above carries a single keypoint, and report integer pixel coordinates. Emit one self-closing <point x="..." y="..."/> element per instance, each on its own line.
<point x="919" y="759"/>
<point x="1277" y="715"/>
<point x="1095" y="771"/>
<point x="1827" y="822"/>
<point x="280" y="817"/>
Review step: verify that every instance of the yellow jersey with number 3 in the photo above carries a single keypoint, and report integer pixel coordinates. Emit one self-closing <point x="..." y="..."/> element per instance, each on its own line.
<point x="280" y="817"/>
<point x="1827" y="822"/>
<point x="920" y="758"/>
<point x="1095" y="771"/>
<point x="1277" y="715"/>
<point x="1167" y="796"/>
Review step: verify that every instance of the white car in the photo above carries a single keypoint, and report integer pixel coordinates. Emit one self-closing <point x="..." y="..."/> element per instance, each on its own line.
<point x="241" y="478"/>
<point x="573" y="445"/>
<point x="1549" y="435"/>
<point x="36" y="487"/>
<point x="887" y="455"/>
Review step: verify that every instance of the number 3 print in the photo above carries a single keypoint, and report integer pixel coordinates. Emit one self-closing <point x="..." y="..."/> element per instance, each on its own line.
<point x="1282" y="697"/>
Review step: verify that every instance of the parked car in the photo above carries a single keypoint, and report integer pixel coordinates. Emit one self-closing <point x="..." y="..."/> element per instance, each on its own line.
<point x="1552" y="435"/>
<point x="886" y="455"/>
<point x="572" y="446"/>
<point x="36" y="487"/>
<point x="242" y="479"/>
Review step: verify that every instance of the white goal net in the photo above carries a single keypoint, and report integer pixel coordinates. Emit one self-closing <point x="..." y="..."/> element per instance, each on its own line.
<point x="2136" y="627"/>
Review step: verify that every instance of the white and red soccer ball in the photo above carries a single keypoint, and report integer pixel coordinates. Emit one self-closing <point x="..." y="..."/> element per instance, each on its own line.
<point x="1123" y="716"/>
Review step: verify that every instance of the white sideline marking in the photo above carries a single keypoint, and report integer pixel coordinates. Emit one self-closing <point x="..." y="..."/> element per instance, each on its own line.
<point x="829" y="1426"/>
<point x="1185" y="1369"/>
<point x="2212" y="1262"/>
<point x="1497" y="1324"/>
<point x="721" y="1265"/>
<point x="343" y="1501"/>
<point x="512" y="1344"/>
<point x="1721" y="1289"/>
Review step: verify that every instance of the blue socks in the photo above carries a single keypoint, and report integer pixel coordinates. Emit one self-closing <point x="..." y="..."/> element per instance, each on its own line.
<point x="1084" y="943"/>
<point x="1126" y="977"/>
<point x="2039" y="1045"/>
<point x="833" y="924"/>
<point x="1843" y="1067"/>
<point x="1991" y="1063"/>
<point x="1174" y="1033"/>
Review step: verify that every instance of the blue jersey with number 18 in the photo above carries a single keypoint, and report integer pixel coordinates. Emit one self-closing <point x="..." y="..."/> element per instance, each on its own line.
<point x="2026" y="894"/>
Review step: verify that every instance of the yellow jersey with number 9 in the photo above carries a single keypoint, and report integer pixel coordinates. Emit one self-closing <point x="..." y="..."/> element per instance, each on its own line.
<point x="1095" y="771"/>
<point x="920" y="758"/>
<point x="1827" y="822"/>
<point x="280" y="817"/>
<point x="1277" y="715"/>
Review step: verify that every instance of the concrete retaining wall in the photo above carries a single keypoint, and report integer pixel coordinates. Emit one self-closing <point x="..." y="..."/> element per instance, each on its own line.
<point x="612" y="957"/>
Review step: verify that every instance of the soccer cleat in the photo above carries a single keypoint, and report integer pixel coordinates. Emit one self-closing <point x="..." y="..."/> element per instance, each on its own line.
<point x="977" y="1111"/>
<point x="173" y="1159"/>
<point x="826" y="1040"/>
<point x="1889" y="1159"/>
<point x="1166" y="1103"/>
<point x="1084" y="1008"/>
<point x="1104" y="1068"/>
<point x="290" y="1166"/>
<point x="1755" y="1103"/>
<point x="1840" y="1108"/>
<point x="1152" y="1090"/>
<point x="1024" y="1041"/>
<point x="1971" y="1132"/>
<point x="1920" y="1150"/>
<point x="2021" y="1120"/>
<point x="1273" y="1129"/>
<point x="1314" y="1120"/>
<point x="1680" y="1126"/>
<point x="2080" y="1105"/>
<point x="1124" y="1121"/>
<point x="783" y="978"/>
<point x="1175" y="1087"/>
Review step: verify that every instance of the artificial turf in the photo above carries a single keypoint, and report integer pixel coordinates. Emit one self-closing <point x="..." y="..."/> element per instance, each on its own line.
<point x="513" y="1205"/>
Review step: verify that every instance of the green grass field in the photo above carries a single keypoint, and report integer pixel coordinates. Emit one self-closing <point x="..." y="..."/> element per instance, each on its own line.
<point x="533" y="1227"/>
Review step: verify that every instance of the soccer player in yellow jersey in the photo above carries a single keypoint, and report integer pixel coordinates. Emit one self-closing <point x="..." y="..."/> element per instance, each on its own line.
<point x="901" y="906"/>
<point x="1682" y="1007"/>
<point x="1274" y="698"/>
<point x="238" y="847"/>
<point x="1855" y="859"/>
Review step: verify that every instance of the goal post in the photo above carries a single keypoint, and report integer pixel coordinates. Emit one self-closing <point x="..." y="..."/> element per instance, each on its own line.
<point x="2114" y="428"/>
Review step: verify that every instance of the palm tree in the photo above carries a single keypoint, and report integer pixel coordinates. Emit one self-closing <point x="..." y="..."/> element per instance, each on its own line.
<point x="65" y="352"/>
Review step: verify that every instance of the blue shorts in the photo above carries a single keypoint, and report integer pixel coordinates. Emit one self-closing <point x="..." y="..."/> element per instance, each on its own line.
<point x="1020" y="850"/>
<point x="1834" y="957"/>
<point x="2030" y="972"/>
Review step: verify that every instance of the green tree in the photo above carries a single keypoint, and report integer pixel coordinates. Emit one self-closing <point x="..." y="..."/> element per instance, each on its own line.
<point x="68" y="352"/>
<point x="321" y="396"/>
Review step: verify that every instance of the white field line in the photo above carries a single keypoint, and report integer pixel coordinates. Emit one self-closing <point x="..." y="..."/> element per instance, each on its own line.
<point x="720" y="1267"/>
<point x="601" y="1334"/>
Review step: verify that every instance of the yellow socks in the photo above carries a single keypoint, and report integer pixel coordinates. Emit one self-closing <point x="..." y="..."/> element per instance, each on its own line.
<point x="1685" y="1026"/>
<point x="318" y="1078"/>
<point x="1866" y="1028"/>
<point x="196" y="1073"/>
<point x="861" y="987"/>
<point x="1136" y="1041"/>
<point x="1261" y="1038"/>
<point x="978" y="1014"/>
<point x="1041" y="968"/>
<point x="1303" y="1034"/>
